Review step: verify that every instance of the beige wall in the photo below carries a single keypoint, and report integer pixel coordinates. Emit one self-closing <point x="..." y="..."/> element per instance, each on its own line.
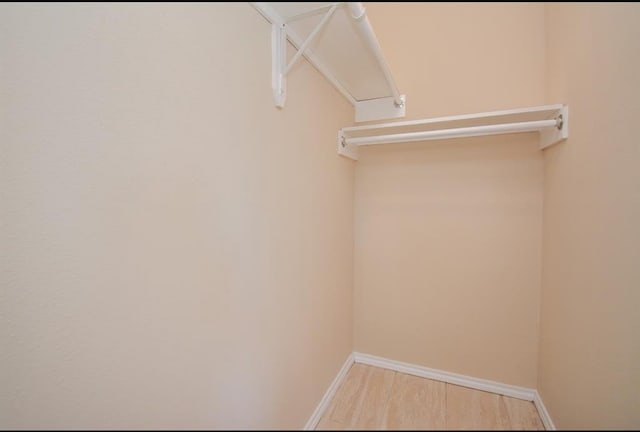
<point x="175" y="251"/>
<point x="590" y="344"/>
<point x="455" y="58"/>
<point x="448" y="233"/>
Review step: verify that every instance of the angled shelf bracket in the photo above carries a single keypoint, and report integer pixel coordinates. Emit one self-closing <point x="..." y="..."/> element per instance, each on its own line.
<point x="551" y="121"/>
<point x="340" y="43"/>
<point x="280" y="68"/>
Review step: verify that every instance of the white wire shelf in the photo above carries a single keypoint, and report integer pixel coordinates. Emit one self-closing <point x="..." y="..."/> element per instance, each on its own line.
<point x="338" y="39"/>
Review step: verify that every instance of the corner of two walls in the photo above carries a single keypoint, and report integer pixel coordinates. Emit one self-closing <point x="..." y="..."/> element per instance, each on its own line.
<point x="176" y="252"/>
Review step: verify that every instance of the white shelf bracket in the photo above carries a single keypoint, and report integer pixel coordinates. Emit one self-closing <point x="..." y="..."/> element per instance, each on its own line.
<point x="278" y="58"/>
<point x="280" y="68"/>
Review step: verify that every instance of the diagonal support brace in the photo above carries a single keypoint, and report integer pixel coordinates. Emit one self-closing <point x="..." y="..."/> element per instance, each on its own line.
<point x="280" y="68"/>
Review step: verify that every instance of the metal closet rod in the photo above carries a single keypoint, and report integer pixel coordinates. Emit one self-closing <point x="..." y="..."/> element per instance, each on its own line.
<point x="471" y="131"/>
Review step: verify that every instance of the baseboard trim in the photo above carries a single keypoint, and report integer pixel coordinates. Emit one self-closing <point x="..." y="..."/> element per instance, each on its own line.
<point x="448" y="377"/>
<point x="435" y="374"/>
<point x="328" y="395"/>
<point x="543" y="413"/>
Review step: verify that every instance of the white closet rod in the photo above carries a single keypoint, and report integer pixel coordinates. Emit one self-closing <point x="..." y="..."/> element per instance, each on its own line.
<point x="470" y="131"/>
<point x="359" y="14"/>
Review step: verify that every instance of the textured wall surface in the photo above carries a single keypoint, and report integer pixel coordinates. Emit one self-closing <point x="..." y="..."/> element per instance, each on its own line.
<point x="590" y="326"/>
<point x="175" y="251"/>
<point x="448" y="233"/>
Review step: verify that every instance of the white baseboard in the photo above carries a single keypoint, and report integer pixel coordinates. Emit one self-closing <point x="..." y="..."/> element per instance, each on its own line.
<point x="448" y="377"/>
<point x="434" y="374"/>
<point x="543" y="413"/>
<point x="328" y="395"/>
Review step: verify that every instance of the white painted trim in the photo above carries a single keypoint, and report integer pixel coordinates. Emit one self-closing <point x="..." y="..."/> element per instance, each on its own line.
<point x="448" y="377"/>
<point x="328" y="395"/>
<point x="434" y="374"/>
<point x="543" y="413"/>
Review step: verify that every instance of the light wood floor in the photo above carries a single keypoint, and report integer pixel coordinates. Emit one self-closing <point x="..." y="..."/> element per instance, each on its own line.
<point x="375" y="398"/>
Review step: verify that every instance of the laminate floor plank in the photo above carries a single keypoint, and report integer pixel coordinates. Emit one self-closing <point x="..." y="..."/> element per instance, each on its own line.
<point x="372" y="398"/>
<point x="473" y="409"/>
<point x="373" y="406"/>
<point x="416" y="403"/>
<point x="523" y="415"/>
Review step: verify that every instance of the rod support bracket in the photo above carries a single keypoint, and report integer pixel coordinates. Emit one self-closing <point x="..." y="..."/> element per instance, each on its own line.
<point x="344" y="149"/>
<point x="559" y="133"/>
